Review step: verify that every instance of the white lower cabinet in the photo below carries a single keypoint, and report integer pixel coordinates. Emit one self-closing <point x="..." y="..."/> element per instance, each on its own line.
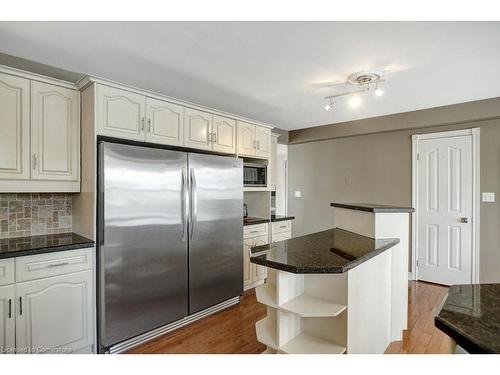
<point x="253" y="274"/>
<point x="55" y="314"/>
<point x="7" y="319"/>
<point x="50" y="314"/>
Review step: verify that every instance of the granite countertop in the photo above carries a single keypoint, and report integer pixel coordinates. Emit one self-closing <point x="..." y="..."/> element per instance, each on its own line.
<point x="254" y="220"/>
<point x="369" y="207"/>
<point x="330" y="251"/>
<point x="21" y="246"/>
<point x="470" y="315"/>
<point x="275" y="218"/>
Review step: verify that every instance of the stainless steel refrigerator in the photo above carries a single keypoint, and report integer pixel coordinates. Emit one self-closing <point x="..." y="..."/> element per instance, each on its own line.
<point x="170" y="237"/>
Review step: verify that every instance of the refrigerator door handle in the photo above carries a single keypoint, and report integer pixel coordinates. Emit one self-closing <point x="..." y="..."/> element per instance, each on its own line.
<point x="184" y="212"/>
<point x="193" y="205"/>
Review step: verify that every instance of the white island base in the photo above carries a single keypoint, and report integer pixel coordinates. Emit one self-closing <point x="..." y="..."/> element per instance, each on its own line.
<point x="360" y="311"/>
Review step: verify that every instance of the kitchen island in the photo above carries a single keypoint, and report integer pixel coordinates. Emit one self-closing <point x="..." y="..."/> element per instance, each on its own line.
<point x="339" y="290"/>
<point x="470" y="315"/>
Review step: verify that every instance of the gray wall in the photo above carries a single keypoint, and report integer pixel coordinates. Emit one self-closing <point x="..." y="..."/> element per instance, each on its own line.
<point x="379" y="166"/>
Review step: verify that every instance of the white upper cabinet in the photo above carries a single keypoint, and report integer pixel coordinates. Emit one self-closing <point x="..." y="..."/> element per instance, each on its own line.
<point x="197" y="129"/>
<point x="120" y="113"/>
<point x="55" y="132"/>
<point x="246" y="139"/>
<point x="165" y="122"/>
<point x="262" y="141"/>
<point x="224" y="134"/>
<point x="14" y="127"/>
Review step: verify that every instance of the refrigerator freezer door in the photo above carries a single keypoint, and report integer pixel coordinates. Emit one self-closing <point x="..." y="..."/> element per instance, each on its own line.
<point x="143" y="247"/>
<point x="216" y="230"/>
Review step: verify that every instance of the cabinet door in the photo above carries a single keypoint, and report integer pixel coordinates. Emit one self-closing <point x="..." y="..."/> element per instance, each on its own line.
<point x="259" y="272"/>
<point x="165" y="122"/>
<point x="55" y="132"/>
<point x="55" y="314"/>
<point x="246" y="139"/>
<point x="224" y="130"/>
<point x="120" y="113"/>
<point x="263" y="141"/>
<point x="14" y="128"/>
<point x="247" y="266"/>
<point x="197" y="129"/>
<point x="7" y="319"/>
<point x="272" y="167"/>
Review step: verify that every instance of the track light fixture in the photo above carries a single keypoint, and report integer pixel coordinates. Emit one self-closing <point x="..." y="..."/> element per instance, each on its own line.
<point x="364" y="81"/>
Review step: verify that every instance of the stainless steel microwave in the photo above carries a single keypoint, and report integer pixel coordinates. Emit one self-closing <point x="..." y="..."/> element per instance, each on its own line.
<point x="254" y="175"/>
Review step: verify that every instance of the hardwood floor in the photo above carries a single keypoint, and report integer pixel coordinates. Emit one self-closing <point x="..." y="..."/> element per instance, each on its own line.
<point x="233" y="330"/>
<point x="424" y="300"/>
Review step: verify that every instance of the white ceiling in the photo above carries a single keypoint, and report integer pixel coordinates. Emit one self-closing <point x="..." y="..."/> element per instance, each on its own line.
<point x="270" y="71"/>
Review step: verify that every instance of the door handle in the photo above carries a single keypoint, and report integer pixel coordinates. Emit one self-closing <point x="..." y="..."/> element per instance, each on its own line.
<point x="193" y="204"/>
<point x="464" y="220"/>
<point x="20" y="305"/>
<point x="149" y="125"/>
<point x="142" y="124"/>
<point x="183" y="207"/>
<point x="10" y="308"/>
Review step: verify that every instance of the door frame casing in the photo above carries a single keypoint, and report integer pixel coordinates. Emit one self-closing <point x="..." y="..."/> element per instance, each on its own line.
<point x="475" y="220"/>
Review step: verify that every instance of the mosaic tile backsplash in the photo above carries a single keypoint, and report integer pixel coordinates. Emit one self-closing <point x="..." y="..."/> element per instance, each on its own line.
<point x="34" y="214"/>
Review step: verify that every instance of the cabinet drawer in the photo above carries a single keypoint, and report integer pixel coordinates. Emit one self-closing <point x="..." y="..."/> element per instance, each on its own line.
<point x="281" y="236"/>
<point x="255" y="230"/>
<point x="7" y="271"/>
<point x="53" y="264"/>
<point x="281" y="226"/>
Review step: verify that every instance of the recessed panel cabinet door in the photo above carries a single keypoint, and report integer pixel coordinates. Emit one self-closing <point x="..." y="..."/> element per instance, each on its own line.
<point x="247" y="266"/>
<point x="7" y="319"/>
<point x="14" y="127"/>
<point x="120" y="113"/>
<point x="259" y="272"/>
<point x="246" y="139"/>
<point x="197" y="127"/>
<point x="263" y="141"/>
<point x="55" y="132"/>
<point x="55" y="314"/>
<point x="165" y="122"/>
<point x="224" y="130"/>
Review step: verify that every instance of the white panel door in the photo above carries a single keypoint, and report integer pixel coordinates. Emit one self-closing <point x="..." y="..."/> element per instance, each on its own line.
<point x="247" y="266"/>
<point x="444" y="210"/>
<point x="224" y="138"/>
<point x="7" y="319"/>
<point x="165" y="122"/>
<point x="246" y="139"/>
<point x="55" y="313"/>
<point x="14" y="128"/>
<point x="197" y="129"/>
<point x="55" y="132"/>
<point x="120" y="113"/>
<point x="263" y="142"/>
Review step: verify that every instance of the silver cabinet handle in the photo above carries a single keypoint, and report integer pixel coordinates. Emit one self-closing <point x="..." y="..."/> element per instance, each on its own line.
<point x="464" y="220"/>
<point x="149" y="125"/>
<point x="193" y="203"/>
<point x="214" y="137"/>
<point x="20" y="305"/>
<point x="258" y="145"/>
<point x="142" y="123"/>
<point x="10" y="308"/>
<point x="35" y="161"/>
<point x="209" y="137"/>
<point x="60" y="264"/>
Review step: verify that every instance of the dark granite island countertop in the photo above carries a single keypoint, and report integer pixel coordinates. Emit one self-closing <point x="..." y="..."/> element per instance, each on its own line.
<point x="470" y="315"/>
<point x="370" y="207"/>
<point x="21" y="246"/>
<point x="330" y="251"/>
